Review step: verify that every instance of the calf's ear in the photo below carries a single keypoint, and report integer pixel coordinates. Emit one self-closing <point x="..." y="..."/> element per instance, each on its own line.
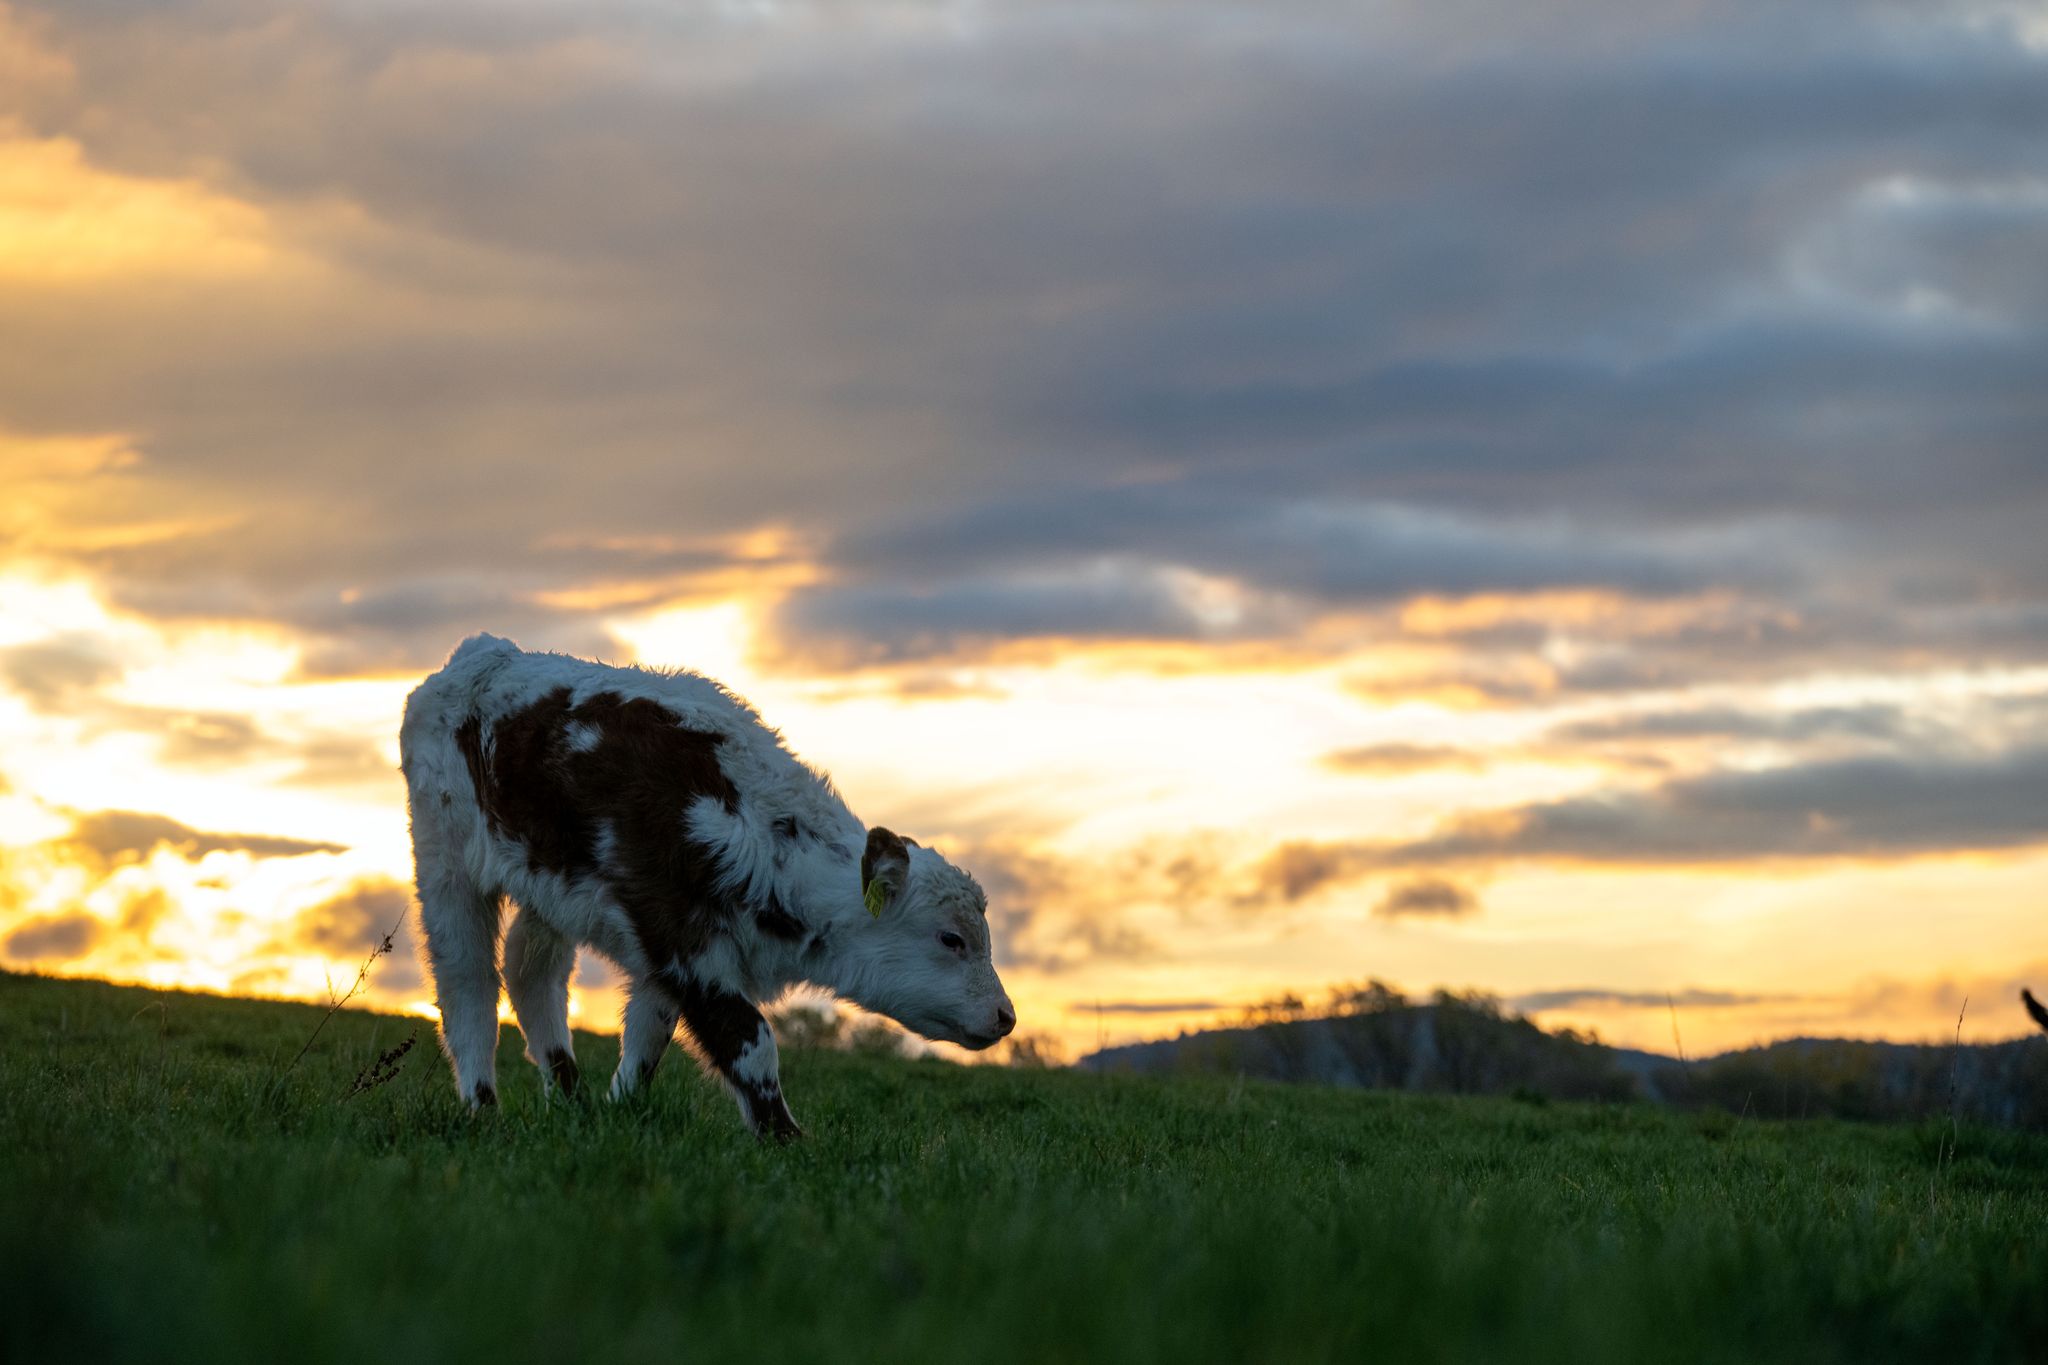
<point x="884" y="867"/>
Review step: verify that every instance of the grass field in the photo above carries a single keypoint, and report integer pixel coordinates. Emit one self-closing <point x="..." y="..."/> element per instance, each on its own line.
<point x="161" y="1198"/>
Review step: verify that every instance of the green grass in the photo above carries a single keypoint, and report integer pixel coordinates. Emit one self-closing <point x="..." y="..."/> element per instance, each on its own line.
<point x="161" y="1198"/>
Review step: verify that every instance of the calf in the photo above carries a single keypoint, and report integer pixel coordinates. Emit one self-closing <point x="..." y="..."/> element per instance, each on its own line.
<point x="653" y="817"/>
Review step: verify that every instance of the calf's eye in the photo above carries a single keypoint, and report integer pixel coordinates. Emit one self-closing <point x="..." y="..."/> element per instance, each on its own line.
<point x="953" y="942"/>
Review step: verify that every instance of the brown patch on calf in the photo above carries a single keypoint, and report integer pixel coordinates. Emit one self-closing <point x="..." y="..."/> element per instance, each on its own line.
<point x="639" y="779"/>
<point x="530" y="795"/>
<point x="885" y="846"/>
<point x="469" y="737"/>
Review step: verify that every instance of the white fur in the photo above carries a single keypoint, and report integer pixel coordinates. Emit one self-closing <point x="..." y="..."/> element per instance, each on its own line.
<point x="893" y="965"/>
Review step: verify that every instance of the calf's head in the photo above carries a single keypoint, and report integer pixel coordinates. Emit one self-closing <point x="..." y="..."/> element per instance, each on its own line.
<point x="927" y="961"/>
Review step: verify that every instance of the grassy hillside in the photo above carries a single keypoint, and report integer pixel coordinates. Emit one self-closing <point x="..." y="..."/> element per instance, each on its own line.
<point x="160" y="1198"/>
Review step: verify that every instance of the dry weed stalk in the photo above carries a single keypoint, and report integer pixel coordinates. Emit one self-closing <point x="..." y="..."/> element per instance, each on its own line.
<point x="1945" y="1151"/>
<point x="383" y="1069"/>
<point x="335" y="1003"/>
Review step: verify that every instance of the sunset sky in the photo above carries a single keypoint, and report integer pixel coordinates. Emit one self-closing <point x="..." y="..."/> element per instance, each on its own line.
<point x="1549" y="499"/>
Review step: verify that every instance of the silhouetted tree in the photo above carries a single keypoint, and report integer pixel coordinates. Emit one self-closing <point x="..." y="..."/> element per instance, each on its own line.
<point x="1374" y="997"/>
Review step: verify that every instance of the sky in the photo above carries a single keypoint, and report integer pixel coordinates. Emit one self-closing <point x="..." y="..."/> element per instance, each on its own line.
<point x="1541" y="499"/>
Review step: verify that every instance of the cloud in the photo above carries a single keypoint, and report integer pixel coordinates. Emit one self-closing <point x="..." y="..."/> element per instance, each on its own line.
<point x="357" y="920"/>
<point x="394" y="628"/>
<point x="142" y="912"/>
<point x="1429" y="897"/>
<point x="1593" y="997"/>
<point x="1142" y="1007"/>
<point x="1047" y="914"/>
<point x="343" y="760"/>
<point x="1879" y="722"/>
<point x="68" y="674"/>
<point x="117" y="834"/>
<point x="1330" y="549"/>
<point x="54" y="937"/>
<point x="1880" y="807"/>
<point x="52" y="673"/>
<point x="1297" y="870"/>
<point x="349" y="926"/>
<point x="855" y="625"/>
<point x="1859" y="808"/>
<point x="207" y="739"/>
<point x="1286" y="318"/>
<point x="1393" y="760"/>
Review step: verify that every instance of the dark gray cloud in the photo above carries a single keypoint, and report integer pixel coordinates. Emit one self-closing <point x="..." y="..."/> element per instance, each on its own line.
<point x="118" y="834"/>
<point x="1529" y="662"/>
<point x="1882" y="806"/>
<point x="52" y="674"/>
<point x="394" y="627"/>
<point x="206" y="738"/>
<point x="1046" y="914"/>
<point x="1594" y="997"/>
<point x="338" y="761"/>
<point x="888" y="624"/>
<point x="594" y="972"/>
<point x="73" y="934"/>
<point x="1395" y="759"/>
<point x="68" y="675"/>
<point x="356" y="922"/>
<point x="1979" y="723"/>
<point x="1860" y="808"/>
<point x="1428" y="898"/>
<point x="1294" y="871"/>
<point x="54" y="937"/>
<point x="1875" y="721"/>
<point x="1349" y="550"/>
<point x="1149" y="553"/>
<point x="1331" y="307"/>
<point x="1145" y="1007"/>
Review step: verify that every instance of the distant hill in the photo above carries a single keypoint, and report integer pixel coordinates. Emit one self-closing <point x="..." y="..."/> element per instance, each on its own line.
<point x="1468" y="1045"/>
<point x="1997" y="1083"/>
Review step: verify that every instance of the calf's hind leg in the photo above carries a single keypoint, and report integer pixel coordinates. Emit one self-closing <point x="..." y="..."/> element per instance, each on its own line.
<point x="461" y="925"/>
<point x="538" y="961"/>
<point x="649" y="1028"/>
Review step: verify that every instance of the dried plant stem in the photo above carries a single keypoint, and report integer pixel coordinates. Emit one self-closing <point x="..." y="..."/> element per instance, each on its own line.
<point x="1954" y="1076"/>
<point x="335" y="1003"/>
<point x="1945" y="1151"/>
<point x="382" y="1069"/>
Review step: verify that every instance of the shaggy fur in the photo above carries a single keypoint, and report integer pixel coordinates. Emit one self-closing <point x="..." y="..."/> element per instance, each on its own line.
<point x="654" y="818"/>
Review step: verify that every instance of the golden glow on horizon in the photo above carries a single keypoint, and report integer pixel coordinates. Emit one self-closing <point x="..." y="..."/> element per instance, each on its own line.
<point x="1157" y="793"/>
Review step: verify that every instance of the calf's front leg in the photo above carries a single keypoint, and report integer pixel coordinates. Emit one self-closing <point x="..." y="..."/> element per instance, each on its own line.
<point x="739" y="1044"/>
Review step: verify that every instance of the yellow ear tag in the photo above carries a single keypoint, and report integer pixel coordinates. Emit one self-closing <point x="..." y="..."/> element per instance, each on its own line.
<point x="872" y="897"/>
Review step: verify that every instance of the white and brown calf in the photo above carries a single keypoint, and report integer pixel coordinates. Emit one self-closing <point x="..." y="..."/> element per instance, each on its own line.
<point x="653" y="817"/>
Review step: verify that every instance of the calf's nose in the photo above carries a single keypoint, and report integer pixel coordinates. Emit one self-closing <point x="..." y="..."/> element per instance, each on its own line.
<point x="1006" y="1020"/>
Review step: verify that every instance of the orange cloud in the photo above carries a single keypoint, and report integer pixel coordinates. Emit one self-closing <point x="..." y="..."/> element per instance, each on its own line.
<point x="65" y="222"/>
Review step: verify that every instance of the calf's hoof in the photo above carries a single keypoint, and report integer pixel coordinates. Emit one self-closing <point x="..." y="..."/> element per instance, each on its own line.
<point x="562" y="1070"/>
